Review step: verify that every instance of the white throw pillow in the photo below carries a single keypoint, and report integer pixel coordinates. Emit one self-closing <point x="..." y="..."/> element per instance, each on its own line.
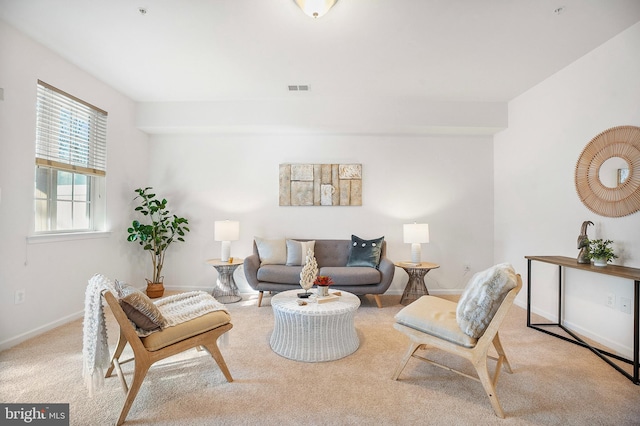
<point x="271" y="252"/>
<point x="481" y="299"/>
<point x="297" y="252"/>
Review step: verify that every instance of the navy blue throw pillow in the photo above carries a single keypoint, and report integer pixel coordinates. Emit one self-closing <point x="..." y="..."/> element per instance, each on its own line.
<point x="365" y="252"/>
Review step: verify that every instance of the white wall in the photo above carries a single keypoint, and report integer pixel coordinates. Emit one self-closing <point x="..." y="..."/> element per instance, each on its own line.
<point x="444" y="181"/>
<point x="54" y="275"/>
<point x="537" y="210"/>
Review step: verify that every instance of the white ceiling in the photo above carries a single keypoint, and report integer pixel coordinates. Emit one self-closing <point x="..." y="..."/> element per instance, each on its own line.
<point x="205" y="50"/>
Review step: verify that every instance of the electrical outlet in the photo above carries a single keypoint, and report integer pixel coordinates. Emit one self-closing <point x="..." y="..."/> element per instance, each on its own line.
<point x="19" y="296"/>
<point x="611" y="300"/>
<point x="625" y="305"/>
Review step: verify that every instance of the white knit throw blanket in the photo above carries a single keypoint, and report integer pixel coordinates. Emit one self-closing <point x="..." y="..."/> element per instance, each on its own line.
<point x="95" y="349"/>
<point x="176" y="309"/>
<point x="183" y="307"/>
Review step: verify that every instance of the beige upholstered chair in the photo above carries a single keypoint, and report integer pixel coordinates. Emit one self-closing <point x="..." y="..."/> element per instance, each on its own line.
<point x="432" y="322"/>
<point x="201" y="332"/>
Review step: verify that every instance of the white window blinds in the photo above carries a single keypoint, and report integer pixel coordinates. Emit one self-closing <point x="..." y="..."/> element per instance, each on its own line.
<point x="70" y="133"/>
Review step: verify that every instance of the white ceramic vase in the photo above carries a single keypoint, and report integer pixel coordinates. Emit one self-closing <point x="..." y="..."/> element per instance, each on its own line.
<point x="599" y="261"/>
<point x="323" y="290"/>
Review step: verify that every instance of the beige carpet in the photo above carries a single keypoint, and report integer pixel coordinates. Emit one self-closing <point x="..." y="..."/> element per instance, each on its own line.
<point x="554" y="382"/>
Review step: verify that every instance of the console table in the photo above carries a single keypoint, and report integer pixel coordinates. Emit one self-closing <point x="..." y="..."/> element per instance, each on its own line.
<point x="612" y="270"/>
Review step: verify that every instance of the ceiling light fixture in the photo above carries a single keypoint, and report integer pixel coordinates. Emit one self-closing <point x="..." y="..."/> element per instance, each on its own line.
<point x="315" y="8"/>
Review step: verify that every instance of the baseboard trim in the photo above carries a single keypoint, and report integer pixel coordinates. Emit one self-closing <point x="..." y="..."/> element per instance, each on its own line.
<point x="16" y="340"/>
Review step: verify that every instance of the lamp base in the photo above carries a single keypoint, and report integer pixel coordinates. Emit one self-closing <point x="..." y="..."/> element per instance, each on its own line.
<point x="225" y="251"/>
<point x="416" y="253"/>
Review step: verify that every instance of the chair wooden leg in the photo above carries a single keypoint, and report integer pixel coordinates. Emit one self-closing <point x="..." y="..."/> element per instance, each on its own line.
<point x="139" y="373"/>
<point x="213" y="350"/>
<point x="483" y="374"/>
<point x="501" y="354"/>
<point x="122" y="342"/>
<point x="260" y="298"/>
<point x="378" y="300"/>
<point x="413" y="347"/>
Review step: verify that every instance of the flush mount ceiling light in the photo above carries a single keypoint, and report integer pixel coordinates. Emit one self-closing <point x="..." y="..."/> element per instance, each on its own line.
<point x="315" y="8"/>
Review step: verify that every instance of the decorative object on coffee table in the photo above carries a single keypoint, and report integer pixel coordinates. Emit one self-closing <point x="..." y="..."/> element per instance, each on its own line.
<point x="323" y="282"/>
<point x="314" y="332"/>
<point x="583" y="243"/>
<point x="308" y="274"/>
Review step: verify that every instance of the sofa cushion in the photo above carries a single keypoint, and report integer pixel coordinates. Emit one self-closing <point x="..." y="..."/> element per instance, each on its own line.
<point x="482" y="297"/>
<point x="356" y="275"/>
<point x="365" y="252"/>
<point x="297" y="252"/>
<point x="271" y="252"/>
<point x="139" y="308"/>
<point x="280" y="274"/>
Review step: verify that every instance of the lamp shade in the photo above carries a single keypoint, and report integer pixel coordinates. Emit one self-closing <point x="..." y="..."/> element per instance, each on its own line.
<point x="226" y="230"/>
<point x="315" y="8"/>
<point x="416" y="233"/>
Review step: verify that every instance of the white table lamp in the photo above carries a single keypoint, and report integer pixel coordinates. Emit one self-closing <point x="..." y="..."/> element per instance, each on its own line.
<point x="416" y="234"/>
<point x="226" y="231"/>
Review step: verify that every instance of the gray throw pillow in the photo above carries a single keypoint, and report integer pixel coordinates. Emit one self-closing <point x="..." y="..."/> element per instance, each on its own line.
<point x="139" y="308"/>
<point x="271" y="252"/>
<point x="365" y="252"/>
<point x="297" y="252"/>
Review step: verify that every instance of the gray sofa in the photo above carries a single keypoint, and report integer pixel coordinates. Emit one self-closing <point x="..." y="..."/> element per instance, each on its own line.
<point x="332" y="257"/>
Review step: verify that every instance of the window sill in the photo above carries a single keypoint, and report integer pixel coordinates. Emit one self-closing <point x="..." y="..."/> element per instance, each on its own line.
<point x="71" y="236"/>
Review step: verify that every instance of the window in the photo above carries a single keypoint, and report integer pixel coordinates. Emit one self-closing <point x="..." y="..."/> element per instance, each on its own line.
<point x="71" y="142"/>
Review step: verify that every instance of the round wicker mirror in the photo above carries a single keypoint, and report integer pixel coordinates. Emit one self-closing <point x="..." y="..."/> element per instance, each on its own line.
<point x="623" y="198"/>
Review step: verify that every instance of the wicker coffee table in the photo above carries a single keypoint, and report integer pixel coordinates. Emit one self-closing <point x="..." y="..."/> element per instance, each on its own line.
<point x="314" y="332"/>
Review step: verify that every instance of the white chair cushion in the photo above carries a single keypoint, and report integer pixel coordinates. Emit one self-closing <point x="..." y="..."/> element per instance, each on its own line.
<point x="437" y="317"/>
<point x="482" y="297"/>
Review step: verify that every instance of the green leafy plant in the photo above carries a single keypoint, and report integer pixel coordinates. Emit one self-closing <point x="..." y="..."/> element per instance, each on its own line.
<point x="161" y="230"/>
<point x="599" y="249"/>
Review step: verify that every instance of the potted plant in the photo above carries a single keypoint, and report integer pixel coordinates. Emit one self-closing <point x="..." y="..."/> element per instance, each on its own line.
<point x="600" y="252"/>
<point x="156" y="235"/>
<point x="323" y="282"/>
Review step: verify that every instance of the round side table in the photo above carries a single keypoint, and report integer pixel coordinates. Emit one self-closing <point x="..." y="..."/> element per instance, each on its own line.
<point x="416" y="287"/>
<point x="226" y="290"/>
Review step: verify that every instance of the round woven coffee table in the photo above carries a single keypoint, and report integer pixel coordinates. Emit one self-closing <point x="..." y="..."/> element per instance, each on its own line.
<point x="314" y="332"/>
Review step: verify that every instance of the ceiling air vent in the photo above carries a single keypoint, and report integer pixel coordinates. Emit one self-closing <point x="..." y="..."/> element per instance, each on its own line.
<point x="298" y="87"/>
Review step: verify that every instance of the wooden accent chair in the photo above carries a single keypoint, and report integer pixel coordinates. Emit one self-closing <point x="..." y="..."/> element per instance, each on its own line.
<point x="430" y="322"/>
<point x="199" y="333"/>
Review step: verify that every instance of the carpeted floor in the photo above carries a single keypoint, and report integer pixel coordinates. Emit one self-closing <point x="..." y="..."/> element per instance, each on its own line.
<point x="554" y="382"/>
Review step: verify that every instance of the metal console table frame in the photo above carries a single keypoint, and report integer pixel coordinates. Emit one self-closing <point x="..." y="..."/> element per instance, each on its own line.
<point x="613" y="270"/>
